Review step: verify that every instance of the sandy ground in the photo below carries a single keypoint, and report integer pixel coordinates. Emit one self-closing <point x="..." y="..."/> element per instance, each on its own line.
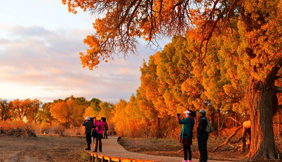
<point x="42" y="149"/>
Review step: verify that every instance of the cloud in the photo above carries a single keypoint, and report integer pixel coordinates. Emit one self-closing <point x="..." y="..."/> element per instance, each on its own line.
<point x="36" y="62"/>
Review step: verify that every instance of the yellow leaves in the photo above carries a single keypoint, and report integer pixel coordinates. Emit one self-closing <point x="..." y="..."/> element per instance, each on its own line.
<point x="67" y="112"/>
<point x="93" y="55"/>
<point x="229" y="90"/>
<point x="24" y="109"/>
<point x="59" y="112"/>
<point x="91" y="41"/>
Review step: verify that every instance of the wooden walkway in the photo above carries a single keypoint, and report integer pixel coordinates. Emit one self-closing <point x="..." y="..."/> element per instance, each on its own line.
<point x="114" y="152"/>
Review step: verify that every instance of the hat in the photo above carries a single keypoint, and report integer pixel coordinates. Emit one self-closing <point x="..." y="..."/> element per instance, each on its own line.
<point x="87" y="118"/>
<point x="187" y="112"/>
<point x="202" y="111"/>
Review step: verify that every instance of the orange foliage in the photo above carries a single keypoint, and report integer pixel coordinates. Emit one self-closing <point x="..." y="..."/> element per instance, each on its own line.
<point x="16" y="128"/>
<point x="25" y="109"/>
<point x="68" y="113"/>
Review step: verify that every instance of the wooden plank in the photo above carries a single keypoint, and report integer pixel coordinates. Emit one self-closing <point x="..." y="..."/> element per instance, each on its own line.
<point x="96" y="157"/>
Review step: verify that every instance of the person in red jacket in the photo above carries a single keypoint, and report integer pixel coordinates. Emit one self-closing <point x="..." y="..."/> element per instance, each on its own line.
<point x="99" y="133"/>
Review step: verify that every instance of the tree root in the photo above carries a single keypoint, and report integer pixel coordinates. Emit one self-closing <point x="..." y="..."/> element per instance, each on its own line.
<point x="228" y="139"/>
<point x="236" y="148"/>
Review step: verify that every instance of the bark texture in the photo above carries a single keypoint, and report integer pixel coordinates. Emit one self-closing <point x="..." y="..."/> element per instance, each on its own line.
<point x="261" y="112"/>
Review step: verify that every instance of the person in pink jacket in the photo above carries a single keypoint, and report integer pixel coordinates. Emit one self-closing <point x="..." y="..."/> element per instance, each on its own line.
<point x="100" y="125"/>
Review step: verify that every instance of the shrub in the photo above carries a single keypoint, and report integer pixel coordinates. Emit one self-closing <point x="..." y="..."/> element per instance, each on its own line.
<point x="16" y="129"/>
<point x="59" y="129"/>
<point x="74" y="131"/>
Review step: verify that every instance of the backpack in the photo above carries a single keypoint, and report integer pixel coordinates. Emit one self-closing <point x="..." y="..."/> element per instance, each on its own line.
<point x="209" y="127"/>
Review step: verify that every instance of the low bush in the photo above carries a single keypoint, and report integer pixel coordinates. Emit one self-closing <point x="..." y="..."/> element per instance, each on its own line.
<point x="16" y="129"/>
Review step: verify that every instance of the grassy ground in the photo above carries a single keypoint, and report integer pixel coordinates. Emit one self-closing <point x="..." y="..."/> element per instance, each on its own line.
<point x="42" y="149"/>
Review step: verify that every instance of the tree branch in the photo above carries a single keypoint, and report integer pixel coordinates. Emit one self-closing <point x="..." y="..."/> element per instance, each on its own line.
<point x="230" y="9"/>
<point x="126" y="13"/>
<point x="231" y="119"/>
<point x="278" y="89"/>
<point x="213" y="9"/>
<point x="209" y="36"/>
<point x="228" y="139"/>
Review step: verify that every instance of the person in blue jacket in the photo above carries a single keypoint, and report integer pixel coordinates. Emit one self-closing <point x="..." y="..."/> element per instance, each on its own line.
<point x="186" y="134"/>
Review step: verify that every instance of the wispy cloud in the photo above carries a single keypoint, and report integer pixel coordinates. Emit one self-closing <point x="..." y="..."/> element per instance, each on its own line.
<point x="36" y="62"/>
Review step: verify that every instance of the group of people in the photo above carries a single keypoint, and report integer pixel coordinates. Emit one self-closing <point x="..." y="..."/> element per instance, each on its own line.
<point x="95" y="129"/>
<point x="186" y="134"/>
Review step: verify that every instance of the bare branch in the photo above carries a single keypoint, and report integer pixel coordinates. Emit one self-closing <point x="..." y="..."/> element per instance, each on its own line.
<point x="228" y="139"/>
<point x="231" y="119"/>
<point x="230" y="9"/>
<point x="278" y="89"/>
<point x="209" y="36"/>
<point x="213" y="9"/>
<point x="126" y="13"/>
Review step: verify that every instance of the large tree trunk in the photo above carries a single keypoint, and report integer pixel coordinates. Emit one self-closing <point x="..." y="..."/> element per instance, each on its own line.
<point x="261" y="115"/>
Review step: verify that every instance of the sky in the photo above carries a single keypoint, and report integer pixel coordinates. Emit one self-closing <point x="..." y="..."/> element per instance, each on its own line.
<point x="40" y="43"/>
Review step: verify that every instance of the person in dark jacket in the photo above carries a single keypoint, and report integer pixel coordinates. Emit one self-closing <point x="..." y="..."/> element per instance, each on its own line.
<point x="202" y="136"/>
<point x="88" y="124"/>
<point x="186" y="134"/>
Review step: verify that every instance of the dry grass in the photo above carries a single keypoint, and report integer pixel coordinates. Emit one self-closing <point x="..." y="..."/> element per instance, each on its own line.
<point x="16" y="129"/>
<point x="42" y="149"/>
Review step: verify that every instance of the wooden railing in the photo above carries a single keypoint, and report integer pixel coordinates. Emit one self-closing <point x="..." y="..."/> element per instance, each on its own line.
<point x="95" y="157"/>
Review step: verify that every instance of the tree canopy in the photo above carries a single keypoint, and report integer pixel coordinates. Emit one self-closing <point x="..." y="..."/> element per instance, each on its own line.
<point x="235" y="49"/>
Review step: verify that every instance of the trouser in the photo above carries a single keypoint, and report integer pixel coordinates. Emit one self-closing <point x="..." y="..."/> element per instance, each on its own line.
<point x="88" y="140"/>
<point x="105" y="134"/>
<point x="202" y="145"/>
<point x="93" y="141"/>
<point x="187" y="149"/>
<point x="98" y="142"/>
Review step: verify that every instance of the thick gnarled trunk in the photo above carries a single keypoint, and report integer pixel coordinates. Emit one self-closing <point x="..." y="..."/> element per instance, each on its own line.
<point x="261" y="113"/>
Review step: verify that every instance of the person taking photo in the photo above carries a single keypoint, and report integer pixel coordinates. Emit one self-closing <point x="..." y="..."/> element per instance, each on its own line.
<point x="186" y="134"/>
<point x="88" y="125"/>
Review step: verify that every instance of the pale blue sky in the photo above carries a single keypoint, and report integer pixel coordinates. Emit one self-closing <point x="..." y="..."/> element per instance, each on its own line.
<point x="39" y="45"/>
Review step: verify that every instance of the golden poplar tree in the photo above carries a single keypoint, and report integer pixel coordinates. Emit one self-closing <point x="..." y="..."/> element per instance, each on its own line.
<point x="258" y="48"/>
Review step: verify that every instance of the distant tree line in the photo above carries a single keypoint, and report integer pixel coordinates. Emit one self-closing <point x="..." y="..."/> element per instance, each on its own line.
<point x="69" y="112"/>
